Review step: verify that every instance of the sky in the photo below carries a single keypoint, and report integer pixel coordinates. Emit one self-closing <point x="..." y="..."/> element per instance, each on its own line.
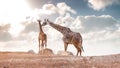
<point x="98" y="21"/>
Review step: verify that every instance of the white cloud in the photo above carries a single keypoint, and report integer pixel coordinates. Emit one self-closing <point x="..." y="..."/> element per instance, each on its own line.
<point x="31" y="27"/>
<point x="18" y="46"/>
<point x="51" y="9"/>
<point x="64" y="20"/>
<point x="63" y="8"/>
<point x="77" y="24"/>
<point x="13" y="11"/>
<point x="102" y="42"/>
<point x="101" y="4"/>
<point x="47" y="9"/>
<point x="96" y="23"/>
<point x="4" y="34"/>
<point x="88" y="23"/>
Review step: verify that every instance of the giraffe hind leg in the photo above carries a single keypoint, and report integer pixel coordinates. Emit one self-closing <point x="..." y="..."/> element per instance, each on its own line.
<point x="46" y="41"/>
<point x="78" y="50"/>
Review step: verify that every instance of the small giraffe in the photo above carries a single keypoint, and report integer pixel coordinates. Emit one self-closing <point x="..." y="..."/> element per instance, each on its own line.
<point x="42" y="37"/>
<point x="69" y="37"/>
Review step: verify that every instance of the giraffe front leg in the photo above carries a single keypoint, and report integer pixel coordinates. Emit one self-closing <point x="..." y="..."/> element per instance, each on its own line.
<point x="80" y="51"/>
<point x="77" y="52"/>
<point x="65" y="43"/>
<point x="65" y="46"/>
<point x="39" y="44"/>
<point x="42" y="46"/>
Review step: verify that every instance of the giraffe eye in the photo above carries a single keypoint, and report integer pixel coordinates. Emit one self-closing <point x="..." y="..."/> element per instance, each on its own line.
<point x="44" y="23"/>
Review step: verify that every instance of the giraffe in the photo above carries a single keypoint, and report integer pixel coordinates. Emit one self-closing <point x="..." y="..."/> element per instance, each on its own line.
<point x="69" y="37"/>
<point x="42" y="37"/>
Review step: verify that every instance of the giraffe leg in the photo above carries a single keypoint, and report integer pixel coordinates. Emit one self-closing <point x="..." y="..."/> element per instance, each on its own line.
<point x="42" y="46"/>
<point x="77" y="52"/>
<point x="46" y="42"/>
<point x="78" y="49"/>
<point x="65" y="46"/>
<point x="80" y="52"/>
<point x="39" y="43"/>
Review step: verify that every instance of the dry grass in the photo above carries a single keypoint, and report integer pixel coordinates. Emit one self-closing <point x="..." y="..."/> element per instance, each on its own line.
<point x="30" y="60"/>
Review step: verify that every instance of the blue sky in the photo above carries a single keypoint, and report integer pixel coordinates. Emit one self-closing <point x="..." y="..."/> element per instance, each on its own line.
<point x="98" y="21"/>
<point x="82" y="7"/>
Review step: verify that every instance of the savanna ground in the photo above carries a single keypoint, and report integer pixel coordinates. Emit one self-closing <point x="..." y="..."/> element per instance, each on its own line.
<point x="31" y="60"/>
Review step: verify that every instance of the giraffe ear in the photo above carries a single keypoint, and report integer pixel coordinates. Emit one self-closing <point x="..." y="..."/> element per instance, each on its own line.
<point x="45" y="20"/>
<point x="39" y="20"/>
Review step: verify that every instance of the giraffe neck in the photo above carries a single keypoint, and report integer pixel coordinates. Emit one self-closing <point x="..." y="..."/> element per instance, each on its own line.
<point x="59" y="28"/>
<point x="40" y="26"/>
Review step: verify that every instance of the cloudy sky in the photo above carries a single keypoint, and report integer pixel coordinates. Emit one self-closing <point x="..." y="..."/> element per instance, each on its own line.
<point x="98" y="21"/>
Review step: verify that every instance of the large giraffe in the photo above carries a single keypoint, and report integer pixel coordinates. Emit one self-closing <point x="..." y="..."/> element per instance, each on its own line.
<point x="42" y="38"/>
<point x="69" y="37"/>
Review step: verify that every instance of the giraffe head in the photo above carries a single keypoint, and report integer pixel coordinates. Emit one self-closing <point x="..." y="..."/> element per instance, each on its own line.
<point x="45" y="22"/>
<point x="39" y="20"/>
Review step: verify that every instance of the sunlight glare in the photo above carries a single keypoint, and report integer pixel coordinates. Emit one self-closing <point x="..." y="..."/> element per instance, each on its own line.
<point x="14" y="12"/>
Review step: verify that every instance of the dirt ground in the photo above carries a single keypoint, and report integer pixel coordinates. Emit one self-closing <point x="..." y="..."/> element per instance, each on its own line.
<point x="31" y="60"/>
